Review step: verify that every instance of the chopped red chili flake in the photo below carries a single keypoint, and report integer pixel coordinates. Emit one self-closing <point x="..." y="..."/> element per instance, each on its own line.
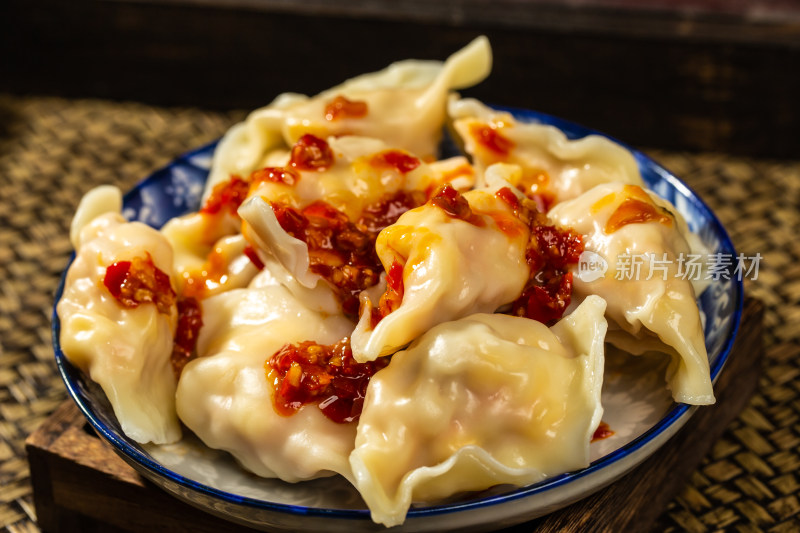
<point x="286" y="176"/>
<point x="603" y="431"/>
<point x="311" y="153"/>
<point x="341" y="107"/>
<point x="453" y="203"/>
<point x="226" y="195"/>
<point x="139" y="281"/>
<point x="489" y="137"/>
<point x="401" y="161"/>
<point x="338" y="251"/>
<point x="327" y="375"/>
<point x="190" y="320"/>
<point x="550" y="252"/>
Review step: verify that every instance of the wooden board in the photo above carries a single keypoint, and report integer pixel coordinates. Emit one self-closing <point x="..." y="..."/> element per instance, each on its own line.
<point x="81" y="485"/>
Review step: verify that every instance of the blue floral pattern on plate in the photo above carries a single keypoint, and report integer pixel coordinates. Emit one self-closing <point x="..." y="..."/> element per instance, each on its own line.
<point x="177" y="189"/>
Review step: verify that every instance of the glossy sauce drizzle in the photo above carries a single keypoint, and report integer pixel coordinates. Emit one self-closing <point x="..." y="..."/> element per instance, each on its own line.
<point x="490" y="137"/>
<point x="340" y="107"/>
<point x="394" y="159"/>
<point x="636" y="208"/>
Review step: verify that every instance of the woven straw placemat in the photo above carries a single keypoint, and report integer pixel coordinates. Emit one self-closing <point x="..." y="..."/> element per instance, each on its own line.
<point x="53" y="150"/>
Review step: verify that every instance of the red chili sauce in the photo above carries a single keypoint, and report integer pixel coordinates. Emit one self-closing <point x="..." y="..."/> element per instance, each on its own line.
<point x="226" y="195"/>
<point x="341" y="107"/>
<point x="396" y="159"/>
<point x="548" y="292"/>
<point x="326" y="375"/>
<point x="340" y="251"/>
<point x="190" y="320"/>
<point x="603" y="431"/>
<point x="139" y="281"/>
<point x="549" y="254"/>
<point x="392" y="297"/>
<point x="489" y="136"/>
<point x="453" y="203"/>
<point x="311" y="153"/>
<point x="636" y="208"/>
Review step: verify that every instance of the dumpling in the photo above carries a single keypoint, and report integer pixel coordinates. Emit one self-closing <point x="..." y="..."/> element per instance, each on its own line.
<point x="621" y="223"/>
<point x="404" y="105"/>
<point x="318" y="217"/>
<point x="554" y="168"/>
<point x="208" y="257"/>
<point x="454" y="256"/>
<point x="118" y="316"/>
<point x="225" y="398"/>
<point x="486" y="400"/>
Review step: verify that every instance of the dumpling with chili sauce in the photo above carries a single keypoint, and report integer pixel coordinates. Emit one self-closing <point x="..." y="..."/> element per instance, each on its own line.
<point x="320" y="224"/>
<point x="355" y="174"/>
<point x="118" y="316"/>
<point x="486" y="400"/>
<point x="403" y="105"/>
<point x="225" y="397"/>
<point x="555" y="168"/>
<point x="452" y="257"/>
<point x="651" y="304"/>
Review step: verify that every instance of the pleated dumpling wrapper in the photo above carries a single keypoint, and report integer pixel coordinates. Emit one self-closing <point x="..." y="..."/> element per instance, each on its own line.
<point x="225" y="397"/>
<point x="554" y="167"/>
<point x="486" y="400"/>
<point x="118" y="315"/>
<point x="452" y="257"/>
<point x="652" y="306"/>
<point x="403" y="105"/>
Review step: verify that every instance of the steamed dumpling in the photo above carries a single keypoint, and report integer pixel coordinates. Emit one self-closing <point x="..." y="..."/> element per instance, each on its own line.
<point x="442" y="267"/>
<point x="224" y="396"/>
<point x="125" y="349"/>
<point x="619" y="222"/>
<point x="478" y="402"/>
<point x="404" y="105"/>
<point x="554" y="168"/>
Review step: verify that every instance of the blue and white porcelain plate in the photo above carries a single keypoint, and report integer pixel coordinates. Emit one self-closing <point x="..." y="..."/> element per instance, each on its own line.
<point x="638" y="408"/>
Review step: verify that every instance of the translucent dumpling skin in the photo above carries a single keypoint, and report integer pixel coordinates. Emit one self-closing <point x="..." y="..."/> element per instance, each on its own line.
<point x="554" y="167"/>
<point x="125" y="350"/>
<point x="481" y="401"/>
<point x="649" y="310"/>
